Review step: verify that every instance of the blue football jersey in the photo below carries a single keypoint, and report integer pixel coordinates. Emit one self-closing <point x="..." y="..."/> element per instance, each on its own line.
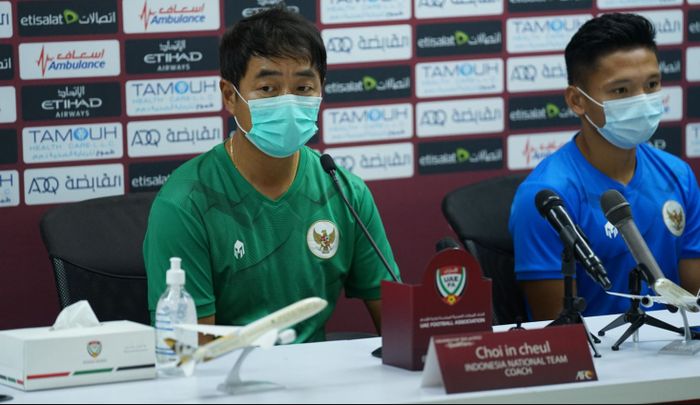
<point x="663" y="195"/>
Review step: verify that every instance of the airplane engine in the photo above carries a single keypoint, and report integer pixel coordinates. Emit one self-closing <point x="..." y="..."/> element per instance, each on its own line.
<point x="646" y="301"/>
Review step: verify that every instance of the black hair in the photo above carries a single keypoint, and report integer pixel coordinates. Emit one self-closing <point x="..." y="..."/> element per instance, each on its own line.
<point x="602" y="36"/>
<point x="273" y="33"/>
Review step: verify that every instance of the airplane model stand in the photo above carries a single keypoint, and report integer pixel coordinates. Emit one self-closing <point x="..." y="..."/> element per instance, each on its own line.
<point x="687" y="346"/>
<point x="635" y="315"/>
<point x="573" y="306"/>
<point x="235" y="385"/>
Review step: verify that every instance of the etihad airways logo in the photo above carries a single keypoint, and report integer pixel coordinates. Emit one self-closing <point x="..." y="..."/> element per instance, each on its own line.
<point x="54" y="60"/>
<point x="169" y="15"/>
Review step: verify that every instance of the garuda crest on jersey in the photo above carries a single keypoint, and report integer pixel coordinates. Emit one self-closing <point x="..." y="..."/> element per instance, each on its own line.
<point x="323" y="238"/>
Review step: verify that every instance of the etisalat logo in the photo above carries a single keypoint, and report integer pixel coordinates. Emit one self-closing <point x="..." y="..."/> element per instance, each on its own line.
<point x="369" y="83"/>
<point x="171" y="15"/>
<point x="548" y="112"/>
<point x="70" y="60"/>
<point x="462" y="156"/>
<point x="460" y="38"/>
<point x="68" y="17"/>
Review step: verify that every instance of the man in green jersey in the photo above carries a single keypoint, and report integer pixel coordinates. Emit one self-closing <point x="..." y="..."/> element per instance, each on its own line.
<point x="256" y="220"/>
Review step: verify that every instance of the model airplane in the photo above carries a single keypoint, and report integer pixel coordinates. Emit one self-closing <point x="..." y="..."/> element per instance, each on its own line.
<point x="264" y="332"/>
<point x="669" y="293"/>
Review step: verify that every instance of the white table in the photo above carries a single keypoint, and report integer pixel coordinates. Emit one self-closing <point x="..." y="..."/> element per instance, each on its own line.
<point x="344" y="371"/>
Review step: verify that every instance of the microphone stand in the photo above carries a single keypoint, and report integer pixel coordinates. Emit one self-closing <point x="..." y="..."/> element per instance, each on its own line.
<point x="573" y="306"/>
<point x="636" y="316"/>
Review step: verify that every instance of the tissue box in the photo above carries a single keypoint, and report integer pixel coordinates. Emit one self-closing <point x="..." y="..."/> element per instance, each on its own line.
<point x="41" y="358"/>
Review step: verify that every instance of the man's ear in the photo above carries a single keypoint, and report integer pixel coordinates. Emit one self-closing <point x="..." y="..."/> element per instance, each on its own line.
<point x="229" y="96"/>
<point x="575" y="100"/>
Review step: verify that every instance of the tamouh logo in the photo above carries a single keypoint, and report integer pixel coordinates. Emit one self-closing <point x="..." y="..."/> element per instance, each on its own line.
<point x="94" y="349"/>
<point x="451" y="282"/>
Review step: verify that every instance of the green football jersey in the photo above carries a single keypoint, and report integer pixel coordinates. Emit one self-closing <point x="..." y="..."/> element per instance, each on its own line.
<point x="246" y="256"/>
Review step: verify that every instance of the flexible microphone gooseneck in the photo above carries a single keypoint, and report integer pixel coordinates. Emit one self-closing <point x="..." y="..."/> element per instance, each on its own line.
<point x="550" y="206"/>
<point x="329" y="167"/>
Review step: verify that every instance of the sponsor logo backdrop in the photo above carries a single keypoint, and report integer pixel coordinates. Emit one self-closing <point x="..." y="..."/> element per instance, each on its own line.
<point x="108" y="97"/>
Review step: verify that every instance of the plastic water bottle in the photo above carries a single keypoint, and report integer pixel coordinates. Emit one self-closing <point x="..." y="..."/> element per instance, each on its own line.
<point x="175" y="307"/>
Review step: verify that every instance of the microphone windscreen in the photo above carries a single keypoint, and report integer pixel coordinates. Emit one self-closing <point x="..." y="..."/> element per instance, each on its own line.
<point x="327" y="163"/>
<point x="446" y="243"/>
<point x="545" y="199"/>
<point x="615" y="207"/>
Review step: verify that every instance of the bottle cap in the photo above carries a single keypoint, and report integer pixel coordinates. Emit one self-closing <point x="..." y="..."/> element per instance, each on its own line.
<point x="175" y="275"/>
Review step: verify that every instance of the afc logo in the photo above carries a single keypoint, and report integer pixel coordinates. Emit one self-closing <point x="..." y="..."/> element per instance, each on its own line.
<point x="585" y="375"/>
<point x="339" y="44"/>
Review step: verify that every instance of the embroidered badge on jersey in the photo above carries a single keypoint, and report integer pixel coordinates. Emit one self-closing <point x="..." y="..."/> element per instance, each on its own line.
<point x="610" y="231"/>
<point x="322" y="239"/>
<point x="674" y="217"/>
<point x="238" y="250"/>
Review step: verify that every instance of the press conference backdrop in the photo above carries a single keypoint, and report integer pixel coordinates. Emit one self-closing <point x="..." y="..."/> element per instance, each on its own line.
<point x="101" y="98"/>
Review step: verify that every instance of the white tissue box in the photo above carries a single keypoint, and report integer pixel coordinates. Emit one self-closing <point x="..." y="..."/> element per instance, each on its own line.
<point x="41" y="358"/>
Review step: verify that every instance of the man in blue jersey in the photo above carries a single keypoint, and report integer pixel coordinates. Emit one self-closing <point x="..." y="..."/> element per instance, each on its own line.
<point x="614" y="87"/>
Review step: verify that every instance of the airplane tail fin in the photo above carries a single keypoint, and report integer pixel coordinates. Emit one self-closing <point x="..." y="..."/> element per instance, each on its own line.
<point x="186" y="354"/>
<point x="187" y="364"/>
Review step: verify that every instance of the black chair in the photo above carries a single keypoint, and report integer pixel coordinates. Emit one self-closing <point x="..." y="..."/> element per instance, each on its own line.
<point x="95" y="247"/>
<point x="479" y="214"/>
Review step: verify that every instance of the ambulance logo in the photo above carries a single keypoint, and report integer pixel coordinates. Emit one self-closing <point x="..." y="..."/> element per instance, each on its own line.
<point x="451" y="282"/>
<point x="674" y="217"/>
<point x="322" y="239"/>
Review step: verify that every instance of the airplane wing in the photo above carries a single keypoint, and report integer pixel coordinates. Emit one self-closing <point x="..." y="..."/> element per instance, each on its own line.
<point x="214" y="330"/>
<point x="647" y="300"/>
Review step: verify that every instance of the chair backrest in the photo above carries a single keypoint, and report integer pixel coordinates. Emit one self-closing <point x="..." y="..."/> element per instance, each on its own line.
<point x="479" y="214"/>
<point x="95" y="247"/>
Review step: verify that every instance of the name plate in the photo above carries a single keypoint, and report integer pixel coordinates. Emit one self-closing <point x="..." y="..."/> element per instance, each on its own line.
<point x="518" y="358"/>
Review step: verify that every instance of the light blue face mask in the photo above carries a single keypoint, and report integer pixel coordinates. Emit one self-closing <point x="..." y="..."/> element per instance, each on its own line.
<point x="282" y="124"/>
<point x="629" y="121"/>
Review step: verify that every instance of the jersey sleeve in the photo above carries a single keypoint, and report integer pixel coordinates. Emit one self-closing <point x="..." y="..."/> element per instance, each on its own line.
<point x="537" y="246"/>
<point x="367" y="271"/>
<point x="173" y="231"/>
<point x="691" y="235"/>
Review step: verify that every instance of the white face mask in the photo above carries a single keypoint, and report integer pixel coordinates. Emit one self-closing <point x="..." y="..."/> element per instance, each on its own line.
<point x="629" y="121"/>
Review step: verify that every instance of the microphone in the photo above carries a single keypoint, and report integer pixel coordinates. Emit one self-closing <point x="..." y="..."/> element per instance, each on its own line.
<point x="446" y="243"/>
<point x="617" y="210"/>
<point x="550" y="206"/>
<point x="329" y="167"/>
